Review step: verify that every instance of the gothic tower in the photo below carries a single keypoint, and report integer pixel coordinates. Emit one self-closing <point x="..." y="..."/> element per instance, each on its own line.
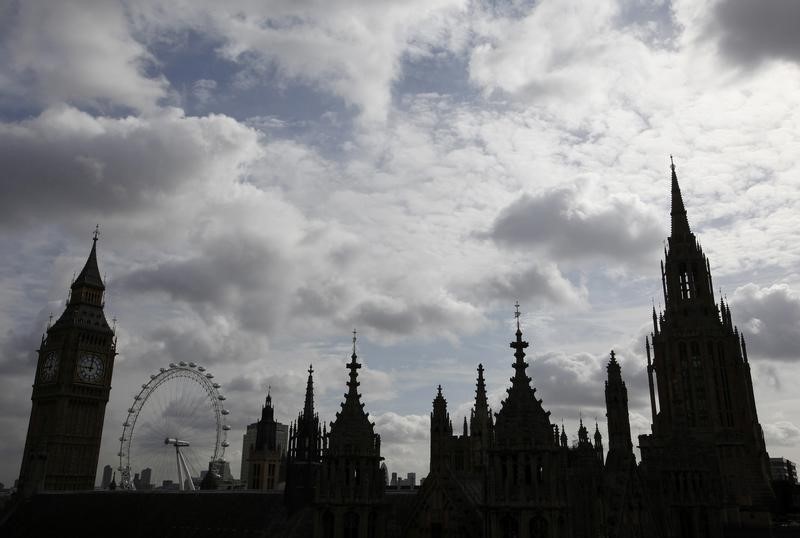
<point x="706" y="446"/>
<point x="265" y="458"/>
<point x="619" y="425"/>
<point x="526" y="492"/>
<point x="480" y="425"/>
<point x="70" y="391"/>
<point x="304" y="453"/>
<point x="351" y="485"/>
<point x="441" y="432"/>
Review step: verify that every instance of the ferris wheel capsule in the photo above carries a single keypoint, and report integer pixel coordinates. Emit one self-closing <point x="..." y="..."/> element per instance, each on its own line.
<point x="216" y="385"/>
<point x="210" y="376"/>
<point x="226" y="427"/>
<point x="221" y="397"/>
<point x="162" y="370"/>
<point x="152" y="376"/>
<point x="226" y="444"/>
<point x="173" y="365"/>
<point x="225" y="412"/>
<point x="201" y="368"/>
<point x="192" y="364"/>
<point x="182" y="363"/>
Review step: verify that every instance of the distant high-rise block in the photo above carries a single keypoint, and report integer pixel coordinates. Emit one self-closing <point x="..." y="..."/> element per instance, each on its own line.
<point x="106" y="480"/>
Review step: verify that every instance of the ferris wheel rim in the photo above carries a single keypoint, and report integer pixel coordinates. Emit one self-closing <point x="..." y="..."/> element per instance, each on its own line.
<point x="190" y="371"/>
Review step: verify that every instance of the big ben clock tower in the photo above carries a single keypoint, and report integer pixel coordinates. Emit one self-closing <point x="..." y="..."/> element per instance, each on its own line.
<point x="70" y="391"/>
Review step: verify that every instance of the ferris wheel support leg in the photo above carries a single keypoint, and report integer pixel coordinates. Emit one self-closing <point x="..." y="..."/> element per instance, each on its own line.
<point x="178" y="461"/>
<point x="187" y="473"/>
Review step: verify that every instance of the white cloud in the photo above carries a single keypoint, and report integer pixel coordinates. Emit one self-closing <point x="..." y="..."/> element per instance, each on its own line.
<point x="76" y="52"/>
<point x="782" y="433"/>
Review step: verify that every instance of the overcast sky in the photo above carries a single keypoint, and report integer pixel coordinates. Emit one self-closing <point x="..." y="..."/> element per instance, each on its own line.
<point x="269" y="175"/>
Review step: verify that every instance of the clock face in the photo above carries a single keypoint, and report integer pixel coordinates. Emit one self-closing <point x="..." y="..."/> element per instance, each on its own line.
<point x="90" y="368"/>
<point x="49" y="368"/>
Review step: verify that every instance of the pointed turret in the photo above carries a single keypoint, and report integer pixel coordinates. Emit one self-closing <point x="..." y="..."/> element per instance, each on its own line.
<point x="680" y="222"/>
<point x="480" y="417"/>
<point x="564" y="439"/>
<point x="521" y="420"/>
<point x="308" y="405"/>
<point x="441" y="432"/>
<point x="351" y="466"/>
<point x="266" y="427"/>
<point x="90" y="274"/>
<point x="352" y="430"/>
<point x="520" y="380"/>
<point x="583" y="433"/>
<point x="619" y="426"/>
<point x="304" y="454"/>
<point x="598" y="441"/>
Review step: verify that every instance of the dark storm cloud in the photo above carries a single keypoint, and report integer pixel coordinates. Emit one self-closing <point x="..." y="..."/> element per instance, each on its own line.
<point x="769" y="319"/>
<point x="235" y="274"/>
<point x="401" y="318"/>
<point x="66" y="162"/>
<point x="753" y="31"/>
<point x="16" y="353"/>
<point x="561" y="223"/>
<point x="532" y="284"/>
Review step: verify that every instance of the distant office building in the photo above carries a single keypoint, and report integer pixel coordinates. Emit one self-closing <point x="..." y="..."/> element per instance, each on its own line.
<point x="783" y="470"/>
<point x="410" y="482"/>
<point x="145" y="478"/>
<point x="106" y="477"/>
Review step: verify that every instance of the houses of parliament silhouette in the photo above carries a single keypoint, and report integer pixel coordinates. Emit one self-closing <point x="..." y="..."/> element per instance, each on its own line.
<point x="704" y="469"/>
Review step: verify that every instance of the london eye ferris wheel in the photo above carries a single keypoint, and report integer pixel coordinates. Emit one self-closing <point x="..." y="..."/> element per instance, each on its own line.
<point x="176" y="427"/>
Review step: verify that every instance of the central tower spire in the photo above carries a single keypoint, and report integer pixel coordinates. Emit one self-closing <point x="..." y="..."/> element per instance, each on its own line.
<point x="519" y="345"/>
<point x="680" y="222"/>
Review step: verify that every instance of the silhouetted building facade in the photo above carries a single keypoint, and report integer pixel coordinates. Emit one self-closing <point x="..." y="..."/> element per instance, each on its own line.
<point x="266" y="457"/>
<point x="70" y="391"/>
<point x="512" y="474"/>
<point x="783" y="470"/>
<point x="705" y="461"/>
<point x="305" y="453"/>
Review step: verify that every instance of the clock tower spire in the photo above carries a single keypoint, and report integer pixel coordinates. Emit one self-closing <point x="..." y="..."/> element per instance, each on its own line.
<point x="70" y="390"/>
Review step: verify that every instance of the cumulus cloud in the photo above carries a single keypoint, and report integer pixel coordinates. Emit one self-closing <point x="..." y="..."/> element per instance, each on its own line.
<point x="55" y="53"/>
<point x="533" y="284"/>
<point x="782" y="433"/>
<point x="548" y="55"/>
<point x="74" y="163"/>
<point x="769" y="317"/>
<point x="568" y="224"/>
<point x="351" y="49"/>
<point x="752" y="32"/>
<point x="405" y="442"/>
